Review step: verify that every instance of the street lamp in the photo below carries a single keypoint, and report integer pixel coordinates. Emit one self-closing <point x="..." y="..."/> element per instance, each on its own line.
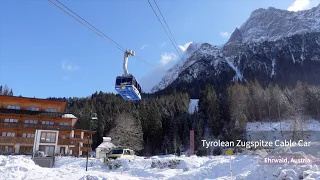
<point x="93" y="116"/>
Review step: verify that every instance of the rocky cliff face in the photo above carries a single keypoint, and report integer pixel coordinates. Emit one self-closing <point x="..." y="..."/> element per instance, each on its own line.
<point x="271" y="46"/>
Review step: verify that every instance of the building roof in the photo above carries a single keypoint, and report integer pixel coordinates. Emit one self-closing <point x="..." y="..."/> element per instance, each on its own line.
<point x="62" y="102"/>
<point x="33" y="98"/>
<point x="36" y="113"/>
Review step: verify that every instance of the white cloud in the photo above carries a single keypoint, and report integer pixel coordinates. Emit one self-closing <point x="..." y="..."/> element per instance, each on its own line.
<point x="144" y="46"/>
<point x="183" y="48"/>
<point x="155" y="75"/>
<point x="152" y="78"/>
<point x="68" y="67"/>
<point x="167" y="58"/>
<point x="225" y="34"/>
<point x="299" y="5"/>
<point x="163" y="44"/>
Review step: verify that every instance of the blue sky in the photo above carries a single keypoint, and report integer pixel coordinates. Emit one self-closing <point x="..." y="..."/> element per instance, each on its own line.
<point x="44" y="52"/>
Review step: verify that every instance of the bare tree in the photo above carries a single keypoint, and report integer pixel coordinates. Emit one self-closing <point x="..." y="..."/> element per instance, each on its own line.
<point x="127" y="132"/>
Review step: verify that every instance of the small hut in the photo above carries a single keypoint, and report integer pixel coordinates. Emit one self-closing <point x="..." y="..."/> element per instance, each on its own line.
<point x="104" y="147"/>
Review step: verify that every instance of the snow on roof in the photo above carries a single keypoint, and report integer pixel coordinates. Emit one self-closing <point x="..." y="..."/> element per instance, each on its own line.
<point x="106" y="144"/>
<point x="106" y="139"/>
<point x="68" y="116"/>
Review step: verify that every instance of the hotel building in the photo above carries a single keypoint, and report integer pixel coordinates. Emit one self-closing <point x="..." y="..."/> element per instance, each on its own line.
<point x="31" y="124"/>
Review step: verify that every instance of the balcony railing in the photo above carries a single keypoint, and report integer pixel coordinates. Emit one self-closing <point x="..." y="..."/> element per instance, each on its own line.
<point x="85" y="149"/>
<point x="73" y="141"/>
<point x="34" y="126"/>
<point x="20" y="140"/>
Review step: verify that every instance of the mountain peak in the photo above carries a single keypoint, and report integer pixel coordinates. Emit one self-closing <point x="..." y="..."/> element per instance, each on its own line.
<point x="272" y="24"/>
<point x="235" y="38"/>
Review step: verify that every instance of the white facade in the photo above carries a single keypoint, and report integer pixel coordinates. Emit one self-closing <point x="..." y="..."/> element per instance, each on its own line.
<point x="59" y="149"/>
<point x="39" y="142"/>
<point x="104" y="147"/>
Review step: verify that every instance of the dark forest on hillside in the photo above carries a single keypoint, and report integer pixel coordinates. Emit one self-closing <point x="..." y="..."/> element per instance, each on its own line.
<point x="160" y="124"/>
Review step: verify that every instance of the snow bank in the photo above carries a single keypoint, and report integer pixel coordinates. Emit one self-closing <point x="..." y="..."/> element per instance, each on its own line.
<point x="309" y="130"/>
<point x="210" y="167"/>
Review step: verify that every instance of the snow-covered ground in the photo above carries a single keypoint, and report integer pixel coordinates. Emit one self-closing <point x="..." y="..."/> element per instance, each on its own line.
<point x="308" y="130"/>
<point x="246" y="166"/>
<point x="193" y="168"/>
<point x="193" y="105"/>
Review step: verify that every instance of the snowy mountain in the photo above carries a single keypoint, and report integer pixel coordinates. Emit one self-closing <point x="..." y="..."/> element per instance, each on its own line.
<point x="273" y="24"/>
<point x="273" y="45"/>
<point x="173" y="72"/>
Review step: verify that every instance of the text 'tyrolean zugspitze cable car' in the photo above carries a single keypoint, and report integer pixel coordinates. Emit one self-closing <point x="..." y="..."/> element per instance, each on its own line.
<point x="126" y="85"/>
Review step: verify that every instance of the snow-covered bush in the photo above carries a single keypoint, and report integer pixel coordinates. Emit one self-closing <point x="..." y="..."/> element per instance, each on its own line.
<point x="166" y="164"/>
<point x="112" y="164"/>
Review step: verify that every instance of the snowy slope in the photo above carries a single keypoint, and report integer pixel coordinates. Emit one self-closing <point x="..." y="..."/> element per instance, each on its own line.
<point x="173" y="72"/>
<point x="270" y="131"/>
<point x="255" y="49"/>
<point x="193" y="105"/>
<point x="272" y="24"/>
<point x="211" y="167"/>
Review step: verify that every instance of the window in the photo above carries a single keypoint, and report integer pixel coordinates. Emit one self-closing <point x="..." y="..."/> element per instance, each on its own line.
<point x="77" y="136"/>
<point x="8" y="134"/>
<point x="49" y="150"/>
<point x="62" y="150"/>
<point x="86" y="145"/>
<point x="6" y="149"/>
<point x="30" y="108"/>
<point x="48" y="137"/>
<point x="29" y="135"/>
<point x="30" y="121"/>
<point x="116" y="152"/>
<point x="26" y="149"/>
<point x="13" y="107"/>
<point x="10" y="120"/>
<point x="51" y="110"/>
<point x="64" y="124"/>
<point x="118" y="81"/>
<point x="48" y="122"/>
<point x="63" y="136"/>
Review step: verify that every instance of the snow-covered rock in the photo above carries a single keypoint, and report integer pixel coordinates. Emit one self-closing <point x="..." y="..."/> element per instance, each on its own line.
<point x="273" y="24"/>
<point x="273" y="45"/>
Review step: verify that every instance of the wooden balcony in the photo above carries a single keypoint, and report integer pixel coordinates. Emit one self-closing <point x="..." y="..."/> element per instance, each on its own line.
<point x="20" y="140"/>
<point x="85" y="149"/>
<point x="34" y="126"/>
<point x="73" y="141"/>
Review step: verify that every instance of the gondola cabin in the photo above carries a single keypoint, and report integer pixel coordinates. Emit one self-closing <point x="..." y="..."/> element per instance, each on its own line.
<point x="128" y="87"/>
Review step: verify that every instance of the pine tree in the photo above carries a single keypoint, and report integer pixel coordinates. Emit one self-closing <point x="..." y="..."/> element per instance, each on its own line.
<point x="10" y="93"/>
<point x="209" y="109"/>
<point x="5" y="90"/>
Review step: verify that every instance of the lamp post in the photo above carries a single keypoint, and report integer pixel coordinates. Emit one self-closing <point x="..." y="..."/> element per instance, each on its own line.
<point x="92" y="117"/>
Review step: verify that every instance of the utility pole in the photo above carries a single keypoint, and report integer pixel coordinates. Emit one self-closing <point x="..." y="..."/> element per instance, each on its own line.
<point x="92" y="117"/>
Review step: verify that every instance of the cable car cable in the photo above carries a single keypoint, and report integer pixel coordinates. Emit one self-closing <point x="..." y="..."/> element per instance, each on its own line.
<point x="93" y="28"/>
<point x="166" y="23"/>
<point x="115" y="43"/>
<point x="164" y="28"/>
